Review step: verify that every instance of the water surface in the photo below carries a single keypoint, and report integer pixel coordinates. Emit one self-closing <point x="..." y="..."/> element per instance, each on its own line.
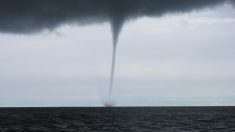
<point x="118" y="119"/>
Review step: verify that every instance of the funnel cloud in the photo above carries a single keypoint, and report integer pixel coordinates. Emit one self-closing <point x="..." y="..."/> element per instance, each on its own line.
<point x="33" y="16"/>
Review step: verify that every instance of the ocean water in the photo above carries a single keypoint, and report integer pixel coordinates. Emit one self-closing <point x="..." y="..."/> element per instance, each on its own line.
<point x="118" y="119"/>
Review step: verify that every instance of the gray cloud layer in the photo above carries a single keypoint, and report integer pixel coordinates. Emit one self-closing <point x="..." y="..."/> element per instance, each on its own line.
<point x="27" y="16"/>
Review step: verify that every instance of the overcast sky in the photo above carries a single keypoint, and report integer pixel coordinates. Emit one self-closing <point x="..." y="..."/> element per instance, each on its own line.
<point x="182" y="58"/>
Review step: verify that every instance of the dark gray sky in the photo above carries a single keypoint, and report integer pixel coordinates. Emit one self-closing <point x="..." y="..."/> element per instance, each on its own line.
<point x="35" y="15"/>
<point x="59" y="54"/>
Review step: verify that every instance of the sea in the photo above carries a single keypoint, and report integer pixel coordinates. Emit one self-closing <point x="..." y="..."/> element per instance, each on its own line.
<point x="118" y="119"/>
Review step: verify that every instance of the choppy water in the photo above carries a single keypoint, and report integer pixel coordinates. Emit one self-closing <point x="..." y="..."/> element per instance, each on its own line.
<point x="119" y="119"/>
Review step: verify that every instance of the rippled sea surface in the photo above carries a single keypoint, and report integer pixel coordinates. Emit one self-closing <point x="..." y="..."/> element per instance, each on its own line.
<point x="118" y="119"/>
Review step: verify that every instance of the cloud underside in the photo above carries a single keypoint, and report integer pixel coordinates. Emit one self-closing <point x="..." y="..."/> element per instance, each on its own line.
<point x="31" y="16"/>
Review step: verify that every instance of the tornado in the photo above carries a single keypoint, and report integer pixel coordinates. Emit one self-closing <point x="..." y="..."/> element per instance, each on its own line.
<point x="116" y="27"/>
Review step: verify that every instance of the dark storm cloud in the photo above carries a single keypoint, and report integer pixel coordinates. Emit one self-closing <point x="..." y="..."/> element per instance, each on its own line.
<point x="28" y="16"/>
<point x="232" y="2"/>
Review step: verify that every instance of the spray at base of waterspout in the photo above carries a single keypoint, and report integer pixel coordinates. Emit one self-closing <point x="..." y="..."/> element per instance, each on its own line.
<point x="109" y="103"/>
